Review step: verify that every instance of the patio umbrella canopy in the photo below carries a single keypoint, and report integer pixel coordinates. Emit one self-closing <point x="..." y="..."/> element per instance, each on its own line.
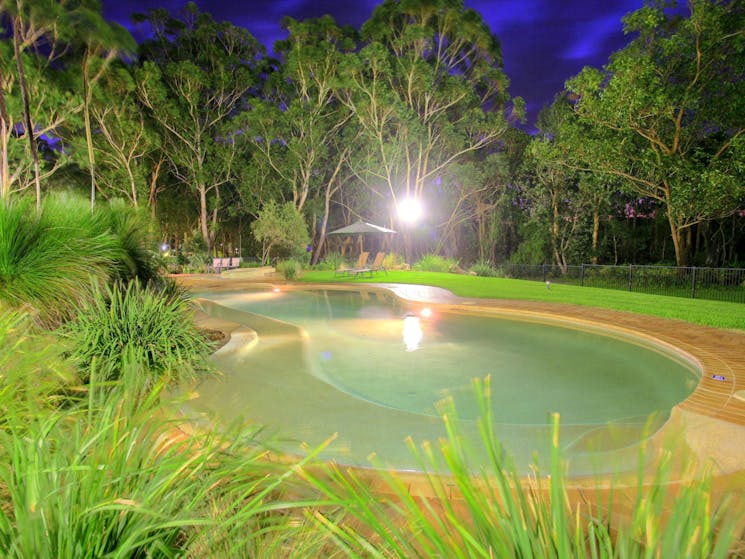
<point x="360" y="228"/>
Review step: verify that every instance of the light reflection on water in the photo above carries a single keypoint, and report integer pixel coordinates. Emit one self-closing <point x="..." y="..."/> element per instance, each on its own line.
<point x="412" y="332"/>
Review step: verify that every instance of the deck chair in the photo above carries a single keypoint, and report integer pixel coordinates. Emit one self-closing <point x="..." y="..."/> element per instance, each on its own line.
<point x="377" y="264"/>
<point x="359" y="267"/>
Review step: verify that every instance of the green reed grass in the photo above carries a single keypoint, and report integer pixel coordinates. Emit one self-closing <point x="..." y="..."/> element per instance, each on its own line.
<point x="47" y="259"/>
<point x="114" y="478"/>
<point x="151" y="326"/>
<point x="491" y="511"/>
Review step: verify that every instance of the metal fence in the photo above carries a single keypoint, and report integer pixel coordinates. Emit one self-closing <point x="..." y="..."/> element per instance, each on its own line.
<point x="719" y="284"/>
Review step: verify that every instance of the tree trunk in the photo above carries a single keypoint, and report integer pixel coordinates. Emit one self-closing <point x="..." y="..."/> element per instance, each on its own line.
<point x="26" y="108"/>
<point x="203" y="215"/>
<point x="679" y="240"/>
<point x="88" y="133"/>
<point x="153" y="194"/>
<point x="595" y="235"/>
<point x="4" y="135"/>
<point x="324" y="226"/>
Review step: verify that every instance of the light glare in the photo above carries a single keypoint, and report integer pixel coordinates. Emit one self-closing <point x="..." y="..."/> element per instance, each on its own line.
<point x="409" y="210"/>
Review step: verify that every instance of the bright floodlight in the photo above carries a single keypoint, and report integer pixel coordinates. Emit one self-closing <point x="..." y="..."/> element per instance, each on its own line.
<point x="409" y="210"/>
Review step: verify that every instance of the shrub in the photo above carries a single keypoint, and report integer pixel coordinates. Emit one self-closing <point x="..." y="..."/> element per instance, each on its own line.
<point x="436" y="263"/>
<point x="150" y="326"/>
<point x="332" y="261"/>
<point x="134" y="231"/>
<point x="50" y="259"/>
<point x="394" y="261"/>
<point x="114" y="478"/>
<point x="484" y="269"/>
<point x="290" y="269"/>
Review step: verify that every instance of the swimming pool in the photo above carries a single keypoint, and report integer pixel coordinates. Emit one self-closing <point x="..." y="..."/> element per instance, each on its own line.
<point x="371" y="368"/>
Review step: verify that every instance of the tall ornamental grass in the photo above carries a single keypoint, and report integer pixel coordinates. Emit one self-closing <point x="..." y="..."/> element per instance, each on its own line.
<point x="134" y="232"/>
<point x="435" y="263"/>
<point x="491" y="511"/>
<point x="49" y="258"/>
<point x="114" y="478"/>
<point x="33" y="377"/>
<point x="151" y="326"/>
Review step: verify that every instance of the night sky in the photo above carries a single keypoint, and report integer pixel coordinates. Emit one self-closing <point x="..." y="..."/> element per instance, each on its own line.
<point x="544" y="42"/>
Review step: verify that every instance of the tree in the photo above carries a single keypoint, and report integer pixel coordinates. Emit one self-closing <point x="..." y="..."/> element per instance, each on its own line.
<point x="280" y="228"/>
<point x="666" y="114"/>
<point x="303" y="133"/>
<point x="103" y="43"/>
<point x="38" y="110"/>
<point x="427" y="90"/>
<point x="193" y="81"/>
<point x="124" y="140"/>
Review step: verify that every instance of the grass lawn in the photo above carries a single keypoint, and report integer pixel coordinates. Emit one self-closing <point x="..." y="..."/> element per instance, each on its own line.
<point x="698" y="311"/>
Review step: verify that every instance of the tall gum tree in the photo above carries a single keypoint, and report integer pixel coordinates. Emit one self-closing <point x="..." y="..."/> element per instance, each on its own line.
<point x="427" y="90"/>
<point x="299" y="129"/>
<point x="667" y="114"/>
<point x="194" y="80"/>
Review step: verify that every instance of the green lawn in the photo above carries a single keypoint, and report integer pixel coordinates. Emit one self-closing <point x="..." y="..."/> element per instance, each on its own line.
<point x="698" y="311"/>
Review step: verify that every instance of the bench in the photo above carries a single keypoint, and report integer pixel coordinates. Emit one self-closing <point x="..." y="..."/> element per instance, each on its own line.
<point x="226" y="263"/>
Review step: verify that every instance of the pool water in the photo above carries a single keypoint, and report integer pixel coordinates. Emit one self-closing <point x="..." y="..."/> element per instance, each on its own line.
<point x="368" y="368"/>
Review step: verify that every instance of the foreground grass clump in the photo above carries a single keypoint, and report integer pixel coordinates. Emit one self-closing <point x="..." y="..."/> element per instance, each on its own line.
<point x="52" y="260"/>
<point x="698" y="311"/>
<point x="47" y="259"/>
<point x="147" y="325"/>
<point x="491" y="511"/>
<point x="107" y="473"/>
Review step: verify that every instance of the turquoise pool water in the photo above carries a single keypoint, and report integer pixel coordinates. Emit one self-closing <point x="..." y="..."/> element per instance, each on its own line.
<point x="372" y="370"/>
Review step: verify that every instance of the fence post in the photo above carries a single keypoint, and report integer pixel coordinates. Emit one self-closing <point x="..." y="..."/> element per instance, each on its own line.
<point x="544" y="272"/>
<point x="693" y="282"/>
<point x="582" y="276"/>
<point x="631" y="276"/>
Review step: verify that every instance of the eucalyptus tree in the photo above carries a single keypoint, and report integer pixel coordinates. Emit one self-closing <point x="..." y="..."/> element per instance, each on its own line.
<point x="300" y="129"/>
<point x="427" y="89"/>
<point x="125" y="142"/>
<point x="31" y="101"/>
<point x="102" y="43"/>
<point x="194" y="79"/>
<point x="666" y="116"/>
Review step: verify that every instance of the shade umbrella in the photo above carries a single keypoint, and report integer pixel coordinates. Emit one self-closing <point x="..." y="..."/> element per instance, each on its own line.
<point x="360" y="228"/>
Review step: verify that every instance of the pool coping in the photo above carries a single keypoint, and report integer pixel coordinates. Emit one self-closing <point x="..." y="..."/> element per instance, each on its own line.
<point x="711" y="420"/>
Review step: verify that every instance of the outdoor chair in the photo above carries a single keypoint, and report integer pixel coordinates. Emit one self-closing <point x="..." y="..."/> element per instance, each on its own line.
<point x="377" y="264"/>
<point x="359" y="268"/>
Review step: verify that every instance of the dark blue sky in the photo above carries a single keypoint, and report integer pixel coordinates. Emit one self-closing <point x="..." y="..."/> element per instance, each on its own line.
<point x="544" y="42"/>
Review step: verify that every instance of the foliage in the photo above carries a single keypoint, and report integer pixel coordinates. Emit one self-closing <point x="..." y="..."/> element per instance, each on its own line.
<point x="332" y="261"/>
<point x="492" y="512"/>
<point x="290" y="269"/>
<point x="394" y="261"/>
<point x="135" y="232"/>
<point x="484" y="269"/>
<point x="195" y="77"/>
<point x="34" y="378"/>
<point x="665" y="115"/>
<point x="435" y="263"/>
<point x="699" y="311"/>
<point x="146" y="326"/>
<point x="50" y="260"/>
<point x="281" y="230"/>
<point x="116" y="478"/>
